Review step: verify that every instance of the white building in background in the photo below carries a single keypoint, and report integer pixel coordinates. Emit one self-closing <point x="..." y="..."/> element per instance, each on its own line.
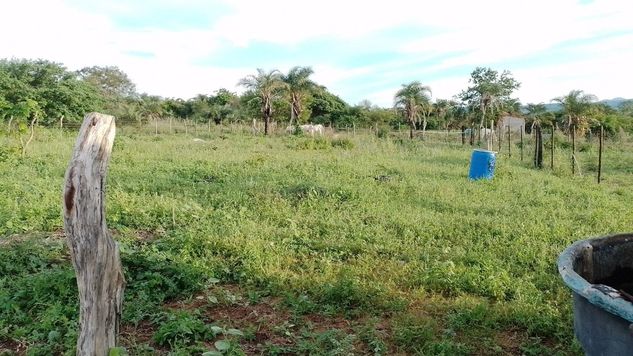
<point x="516" y="124"/>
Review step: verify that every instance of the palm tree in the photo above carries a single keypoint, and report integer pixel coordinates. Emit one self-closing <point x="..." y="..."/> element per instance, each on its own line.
<point x="299" y="85"/>
<point x="445" y="110"/>
<point x="576" y="105"/>
<point x="535" y="113"/>
<point x="413" y="98"/>
<point x="267" y="86"/>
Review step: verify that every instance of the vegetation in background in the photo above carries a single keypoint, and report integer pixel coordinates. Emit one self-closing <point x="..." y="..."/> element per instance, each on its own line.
<point x="59" y="97"/>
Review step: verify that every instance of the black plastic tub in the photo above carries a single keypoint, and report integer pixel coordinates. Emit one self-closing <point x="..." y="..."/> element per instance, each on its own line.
<point x="600" y="273"/>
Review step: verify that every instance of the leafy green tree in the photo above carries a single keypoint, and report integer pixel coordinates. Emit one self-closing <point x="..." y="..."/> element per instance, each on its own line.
<point x="326" y="107"/>
<point x="26" y="113"/>
<point x="56" y="91"/>
<point x="412" y="99"/>
<point x="200" y="108"/>
<point x="575" y="107"/>
<point x="110" y="80"/>
<point x="224" y="105"/>
<point x="152" y="107"/>
<point x="445" y="112"/>
<point x="488" y="91"/>
<point x="267" y="86"/>
<point x="511" y="106"/>
<point x="177" y="107"/>
<point x="299" y="86"/>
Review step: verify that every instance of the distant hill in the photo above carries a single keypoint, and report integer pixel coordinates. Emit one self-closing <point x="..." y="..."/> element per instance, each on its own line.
<point x="614" y="103"/>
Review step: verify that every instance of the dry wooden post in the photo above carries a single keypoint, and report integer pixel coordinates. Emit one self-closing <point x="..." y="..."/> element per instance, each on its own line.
<point x="186" y="129"/>
<point x="156" y="125"/>
<point x="600" y="153"/>
<point x="170" y="131"/>
<point x="61" y="123"/>
<point x="463" y="134"/>
<point x="551" y="163"/>
<point x="95" y="255"/>
<point x="26" y="144"/>
<point x="500" y="135"/>
<point x="573" y="149"/>
<point x="195" y="127"/>
<point x="354" y="128"/>
<point x="9" y="127"/>
<point x="522" y="128"/>
<point x="209" y="125"/>
<point x="509" y="143"/>
<point x="538" y="146"/>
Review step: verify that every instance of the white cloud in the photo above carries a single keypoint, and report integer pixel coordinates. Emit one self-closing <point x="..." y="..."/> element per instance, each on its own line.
<point x="497" y="33"/>
<point x="78" y="38"/>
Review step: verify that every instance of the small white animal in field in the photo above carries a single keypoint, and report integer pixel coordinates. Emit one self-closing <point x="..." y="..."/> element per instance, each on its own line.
<point x="313" y="129"/>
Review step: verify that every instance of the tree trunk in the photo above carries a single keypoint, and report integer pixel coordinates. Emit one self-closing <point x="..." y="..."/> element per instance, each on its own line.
<point x="95" y="255"/>
<point x="292" y="115"/>
<point x="411" y="128"/>
<point x="423" y="126"/>
<point x="266" y="123"/>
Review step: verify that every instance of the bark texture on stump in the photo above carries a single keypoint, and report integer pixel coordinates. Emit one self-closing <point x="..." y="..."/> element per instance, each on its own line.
<point x="94" y="253"/>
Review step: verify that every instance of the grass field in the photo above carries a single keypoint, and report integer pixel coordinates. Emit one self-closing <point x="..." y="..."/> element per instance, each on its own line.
<point x="291" y="245"/>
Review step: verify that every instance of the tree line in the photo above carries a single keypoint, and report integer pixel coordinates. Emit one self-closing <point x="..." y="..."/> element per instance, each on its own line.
<point x="47" y="92"/>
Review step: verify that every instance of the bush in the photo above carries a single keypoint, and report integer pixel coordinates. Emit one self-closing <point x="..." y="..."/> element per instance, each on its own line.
<point x="318" y="143"/>
<point x="342" y="142"/>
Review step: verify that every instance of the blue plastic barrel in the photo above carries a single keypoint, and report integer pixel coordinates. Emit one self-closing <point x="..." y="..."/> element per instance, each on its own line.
<point x="482" y="164"/>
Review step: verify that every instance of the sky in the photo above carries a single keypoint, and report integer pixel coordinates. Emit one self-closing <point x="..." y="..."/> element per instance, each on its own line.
<point x="359" y="50"/>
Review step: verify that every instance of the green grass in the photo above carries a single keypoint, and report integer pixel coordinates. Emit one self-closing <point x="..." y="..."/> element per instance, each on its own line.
<point x="374" y="231"/>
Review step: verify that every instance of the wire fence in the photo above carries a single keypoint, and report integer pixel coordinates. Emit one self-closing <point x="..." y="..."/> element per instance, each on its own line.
<point x="560" y="152"/>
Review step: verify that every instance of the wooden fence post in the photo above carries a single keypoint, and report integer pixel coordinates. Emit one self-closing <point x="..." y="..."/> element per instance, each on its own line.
<point x="600" y="153"/>
<point x="509" y="143"/>
<point x="538" y="146"/>
<point x="500" y="135"/>
<point x="573" y="149"/>
<point x="94" y="253"/>
<point x="551" y="164"/>
<point x="522" y="128"/>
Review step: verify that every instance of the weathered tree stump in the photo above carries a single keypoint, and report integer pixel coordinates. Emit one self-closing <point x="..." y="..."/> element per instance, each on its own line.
<point x="94" y="253"/>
